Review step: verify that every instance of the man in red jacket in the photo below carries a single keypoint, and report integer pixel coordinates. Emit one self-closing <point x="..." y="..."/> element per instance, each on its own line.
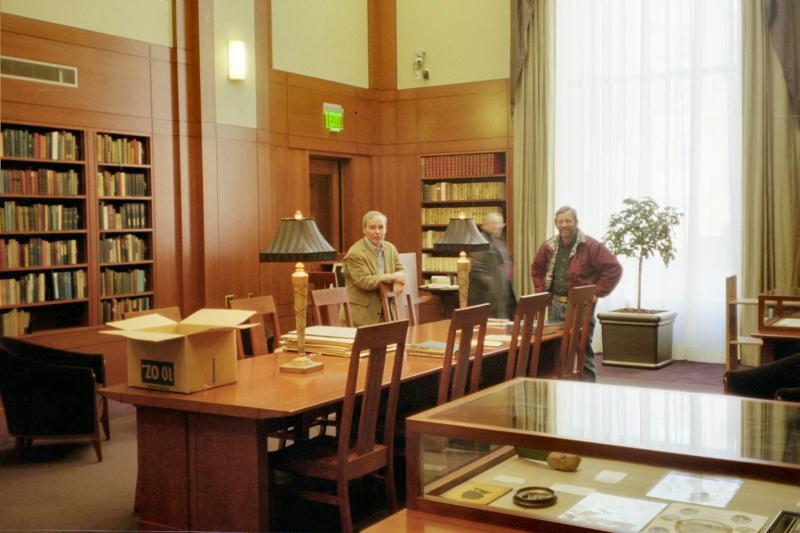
<point x="571" y="259"/>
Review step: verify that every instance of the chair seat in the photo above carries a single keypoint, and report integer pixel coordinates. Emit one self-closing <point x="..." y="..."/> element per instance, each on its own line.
<point x="318" y="457"/>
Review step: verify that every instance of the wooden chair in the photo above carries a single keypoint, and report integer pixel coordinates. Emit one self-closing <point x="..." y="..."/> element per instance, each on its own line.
<point x="266" y="320"/>
<point x="734" y="341"/>
<point x="398" y="306"/>
<point x="463" y="325"/>
<point x="173" y="313"/>
<point x="322" y="280"/>
<point x="353" y="455"/>
<point x="580" y="306"/>
<point x="327" y="306"/>
<point x="526" y="342"/>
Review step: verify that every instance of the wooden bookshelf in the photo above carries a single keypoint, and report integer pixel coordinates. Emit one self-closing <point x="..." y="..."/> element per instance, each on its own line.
<point x="125" y="223"/>
<point x="473" y="183"/>
<point x="43" y="228"/>
<point x="76" y="232"/>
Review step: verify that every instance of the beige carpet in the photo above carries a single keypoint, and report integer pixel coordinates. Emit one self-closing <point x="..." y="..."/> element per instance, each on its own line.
<point x="64" y="487"/>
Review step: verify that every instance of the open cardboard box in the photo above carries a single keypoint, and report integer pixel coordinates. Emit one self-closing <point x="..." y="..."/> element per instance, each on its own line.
<point x="197" y="353"/>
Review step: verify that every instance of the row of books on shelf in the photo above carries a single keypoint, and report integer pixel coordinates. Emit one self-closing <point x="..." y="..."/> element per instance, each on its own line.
<point x="56" y="145"/>
<point x="37" y="252"/>
<point x="125" y="216"/>
<point x="15" y="323"/>
<point x="121" y="184"/>
<point x="432" y="263"/>
<point x="43" y="181"/>
<point x="431" y="237"/>
<point x="119" y="150"/>
<point x="444" y="166"/>
<point x="122" y="281"/>
<point x="442" y="215"/>
<point x="38" y="217"/>
<point x="116" y="308"/>
<point x="448" y="191"/>
<point x="124" y="248"/>
<point x="42" y="287"/>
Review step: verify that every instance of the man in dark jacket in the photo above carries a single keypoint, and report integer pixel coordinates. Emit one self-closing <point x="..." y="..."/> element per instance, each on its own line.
<point x="571" y="259"/>
<point x="490" y="272"/>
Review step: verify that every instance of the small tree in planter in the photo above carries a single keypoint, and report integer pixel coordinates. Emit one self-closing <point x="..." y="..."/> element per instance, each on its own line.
<point x="638" y="337"/>
<point x="642" y="230"/>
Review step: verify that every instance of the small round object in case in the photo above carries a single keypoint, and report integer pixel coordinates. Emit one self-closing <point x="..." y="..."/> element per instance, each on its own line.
<point x="535" y="497"/>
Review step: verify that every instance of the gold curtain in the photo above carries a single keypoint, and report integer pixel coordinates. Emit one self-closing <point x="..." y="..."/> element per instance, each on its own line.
<point x="533" y="154"/>
<point x="770" y="165"/>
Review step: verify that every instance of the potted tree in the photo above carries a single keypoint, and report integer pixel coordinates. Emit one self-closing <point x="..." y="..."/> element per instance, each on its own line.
<point x="635" y="336"/>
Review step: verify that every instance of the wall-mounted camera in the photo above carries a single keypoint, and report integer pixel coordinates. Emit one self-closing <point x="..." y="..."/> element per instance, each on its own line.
<point x="420" y="71"/>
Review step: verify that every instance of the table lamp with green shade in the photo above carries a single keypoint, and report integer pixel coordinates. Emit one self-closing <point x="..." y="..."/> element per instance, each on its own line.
<point x="299" y="239"/>
<point x="462" y="236"/>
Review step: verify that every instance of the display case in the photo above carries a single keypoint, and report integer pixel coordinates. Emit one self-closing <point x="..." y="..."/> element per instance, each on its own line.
<point x="651" y="460"/>
<point x="779" y="311"/>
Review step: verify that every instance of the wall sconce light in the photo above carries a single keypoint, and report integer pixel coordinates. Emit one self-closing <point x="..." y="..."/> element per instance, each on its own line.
<point x="237" y="60"/>
<point x="420" y="71"/>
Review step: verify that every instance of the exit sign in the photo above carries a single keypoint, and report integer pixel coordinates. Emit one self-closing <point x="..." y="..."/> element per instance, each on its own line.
<point x="334" y="117"/>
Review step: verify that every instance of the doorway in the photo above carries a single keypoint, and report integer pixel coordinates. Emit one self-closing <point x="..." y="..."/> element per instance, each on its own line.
<point x="325" y="188"/>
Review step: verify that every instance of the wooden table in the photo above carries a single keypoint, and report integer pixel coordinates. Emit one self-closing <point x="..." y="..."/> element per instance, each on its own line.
<point x="202" y="457"/>
<point x="772" y="339"/>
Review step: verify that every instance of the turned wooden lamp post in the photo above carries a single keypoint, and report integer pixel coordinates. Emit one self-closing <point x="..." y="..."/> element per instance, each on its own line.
<point x="460" y="237"/>
<point x="299" y="239"/>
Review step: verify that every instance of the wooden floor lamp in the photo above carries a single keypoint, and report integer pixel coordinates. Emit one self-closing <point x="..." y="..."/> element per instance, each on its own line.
<point x="299" y="239"/>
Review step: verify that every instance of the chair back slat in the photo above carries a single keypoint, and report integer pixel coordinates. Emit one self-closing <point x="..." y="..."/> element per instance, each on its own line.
<point x="457" y="363"/>
<point x="322" y="280"/>
<point x="327" y="305"/>
<point x="266" y="319"/>
<point x="580" y="306"/>
<point x="375" y="339"/>
<point x="397" y="306"/>
<point x="526" y="342"/>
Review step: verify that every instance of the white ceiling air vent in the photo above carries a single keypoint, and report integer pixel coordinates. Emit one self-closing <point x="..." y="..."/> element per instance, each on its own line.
<point x="27" y="69"/>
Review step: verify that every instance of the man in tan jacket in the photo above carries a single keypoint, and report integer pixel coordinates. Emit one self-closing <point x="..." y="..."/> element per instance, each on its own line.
<point x="368" y="263"/>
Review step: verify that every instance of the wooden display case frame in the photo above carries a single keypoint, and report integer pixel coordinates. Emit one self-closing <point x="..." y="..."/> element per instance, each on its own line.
<point x="457" y="426"/>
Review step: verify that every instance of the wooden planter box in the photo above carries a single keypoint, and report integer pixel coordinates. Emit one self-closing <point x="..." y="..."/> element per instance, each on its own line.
<point x="641" y="340"/>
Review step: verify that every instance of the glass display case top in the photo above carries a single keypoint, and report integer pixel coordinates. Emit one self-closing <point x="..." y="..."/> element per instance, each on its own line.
<point x="710" y="425"/>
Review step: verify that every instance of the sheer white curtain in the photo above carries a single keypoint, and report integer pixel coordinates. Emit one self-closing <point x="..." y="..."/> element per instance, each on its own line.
<point x="648" y="103"/>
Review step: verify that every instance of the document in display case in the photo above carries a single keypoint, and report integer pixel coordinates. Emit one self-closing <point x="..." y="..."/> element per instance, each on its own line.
<point x="651" y="460"/>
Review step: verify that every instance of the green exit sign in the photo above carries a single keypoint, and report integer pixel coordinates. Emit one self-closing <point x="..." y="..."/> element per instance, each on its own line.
<point x="334" y="117"/>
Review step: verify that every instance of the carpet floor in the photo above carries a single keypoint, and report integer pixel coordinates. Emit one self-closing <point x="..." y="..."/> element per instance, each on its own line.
<point x="62" y="487"/>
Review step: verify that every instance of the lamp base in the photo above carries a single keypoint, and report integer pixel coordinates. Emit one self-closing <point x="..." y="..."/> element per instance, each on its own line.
<point x="301" y="365"/>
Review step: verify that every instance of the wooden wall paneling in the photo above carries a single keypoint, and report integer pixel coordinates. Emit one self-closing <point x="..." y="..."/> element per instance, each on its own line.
<point x="167" y="281"/>
<point x="237" y="202"/>
<point x="382" y="36"/>
<point x="108" y="81"/>
<point x="357" y="188"/>
<point x="187" y="126"/>
<point x="407" y="125"/>
<point x="463" y="117"/>
<point x="89" y="340"/>
<point x="305" y="114"/>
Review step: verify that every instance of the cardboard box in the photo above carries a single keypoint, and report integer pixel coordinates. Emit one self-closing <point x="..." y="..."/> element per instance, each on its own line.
<point x="197" y="353"/>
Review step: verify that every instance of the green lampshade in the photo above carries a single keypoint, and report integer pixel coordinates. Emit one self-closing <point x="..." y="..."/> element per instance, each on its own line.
<point x="298" y="239"/>
<point x="461" y="235"/>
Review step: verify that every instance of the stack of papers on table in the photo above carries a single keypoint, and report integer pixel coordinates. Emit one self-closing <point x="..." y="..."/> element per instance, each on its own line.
<point x="325" y="340"/>
<point x="436" y="348"/>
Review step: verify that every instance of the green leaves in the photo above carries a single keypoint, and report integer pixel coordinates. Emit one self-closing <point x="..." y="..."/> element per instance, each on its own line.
<point x="643" y="229"/>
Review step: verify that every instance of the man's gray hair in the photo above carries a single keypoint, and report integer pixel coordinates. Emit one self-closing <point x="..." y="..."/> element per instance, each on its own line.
<point x="565" y="209"/>
<point x="373" y="214"/>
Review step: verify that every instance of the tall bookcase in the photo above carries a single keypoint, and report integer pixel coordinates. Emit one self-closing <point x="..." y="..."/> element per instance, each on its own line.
<point x="473" y="183"/>
<point x="43" y="247"/>
<point x="64" y="234"/>
<point x="124" y="211"/>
